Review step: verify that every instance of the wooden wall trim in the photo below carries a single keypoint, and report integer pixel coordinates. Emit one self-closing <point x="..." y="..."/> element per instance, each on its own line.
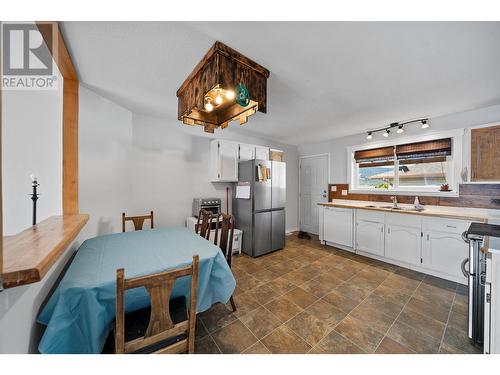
<point x="70" y="114"/>
<point x="70" y="147"/>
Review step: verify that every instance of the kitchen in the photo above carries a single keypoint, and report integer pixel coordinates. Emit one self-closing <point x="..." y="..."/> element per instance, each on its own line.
<point x="310" y="200"/>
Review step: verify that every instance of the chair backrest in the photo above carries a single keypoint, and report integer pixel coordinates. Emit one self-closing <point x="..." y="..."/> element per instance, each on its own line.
<point x="137" y="220"/>
<point x="204" y="223"/>
<point x="225" y="225"/>
<point x="160" y="327"/>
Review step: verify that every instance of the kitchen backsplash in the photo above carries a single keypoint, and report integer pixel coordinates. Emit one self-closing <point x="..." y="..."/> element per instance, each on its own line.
<point x="470" y="195"/>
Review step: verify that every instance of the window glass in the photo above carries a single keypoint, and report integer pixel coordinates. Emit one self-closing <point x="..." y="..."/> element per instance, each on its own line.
<point x="423" y="172"/>
<point x="376" y="175"/>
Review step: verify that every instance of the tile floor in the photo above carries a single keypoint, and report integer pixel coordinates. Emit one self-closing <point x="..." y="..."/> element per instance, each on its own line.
<point x="309" y="298"/>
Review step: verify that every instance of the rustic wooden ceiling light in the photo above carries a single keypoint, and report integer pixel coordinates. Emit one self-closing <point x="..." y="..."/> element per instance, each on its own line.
<point x="224" y="86"/>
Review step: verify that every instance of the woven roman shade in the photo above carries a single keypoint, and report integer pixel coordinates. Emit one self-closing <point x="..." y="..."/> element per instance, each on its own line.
<point x="374" y="154"/>
<point x="427" y="149"/>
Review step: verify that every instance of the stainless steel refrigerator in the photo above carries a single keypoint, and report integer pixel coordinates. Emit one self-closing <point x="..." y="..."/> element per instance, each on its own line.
<point x="259" y="205"/>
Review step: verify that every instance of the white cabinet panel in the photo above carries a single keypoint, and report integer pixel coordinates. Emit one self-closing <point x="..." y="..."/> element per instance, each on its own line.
<point x="370" y="237"/>
<point x="262" y="152"/>
<point x="224" y="161"/>
<point x="444" y="252"/>
<point x="403" y="243"/>
<point x="247" y="152"/>
<point x="338" y="225"/>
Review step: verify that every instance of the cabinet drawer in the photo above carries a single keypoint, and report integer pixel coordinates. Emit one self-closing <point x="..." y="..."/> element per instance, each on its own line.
<point x="370" y="215"/>
<point x="445" y="225"/>
<point x="405" y="220"/>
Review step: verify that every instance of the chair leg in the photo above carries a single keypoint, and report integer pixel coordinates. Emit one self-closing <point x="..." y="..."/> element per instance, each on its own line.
<point x="233" y="305"/>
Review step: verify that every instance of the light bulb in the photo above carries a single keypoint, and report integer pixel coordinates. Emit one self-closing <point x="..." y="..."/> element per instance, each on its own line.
<point x="400" y="129"/>
<point x="230" y="94"/>
<point x="218" y="99"/>
<point x="209" y="107"/>
<point x="424" y="124"/>
<point x="369" y="136"/>
<point x="386" y="133"/>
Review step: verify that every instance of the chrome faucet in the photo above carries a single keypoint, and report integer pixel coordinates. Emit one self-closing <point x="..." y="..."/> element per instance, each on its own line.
<point x="394" y="202"/>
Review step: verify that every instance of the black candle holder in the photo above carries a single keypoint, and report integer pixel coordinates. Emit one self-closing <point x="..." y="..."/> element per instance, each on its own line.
<point x="34" y="198"/>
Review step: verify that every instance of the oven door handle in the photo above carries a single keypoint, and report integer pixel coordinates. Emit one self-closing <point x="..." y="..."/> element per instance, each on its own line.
<point x="464" y="271"/>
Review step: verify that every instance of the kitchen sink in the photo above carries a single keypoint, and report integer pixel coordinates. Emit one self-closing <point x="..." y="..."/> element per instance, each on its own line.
<point x="396" y="209"/>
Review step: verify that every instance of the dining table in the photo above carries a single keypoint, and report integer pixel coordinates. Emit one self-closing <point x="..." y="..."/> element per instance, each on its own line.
<point x="80" y="313"/>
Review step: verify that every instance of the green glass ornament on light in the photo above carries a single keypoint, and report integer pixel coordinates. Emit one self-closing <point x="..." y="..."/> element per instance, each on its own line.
<point x="242" y="95"/>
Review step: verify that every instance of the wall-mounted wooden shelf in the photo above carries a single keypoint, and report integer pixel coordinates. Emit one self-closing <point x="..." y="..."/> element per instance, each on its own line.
<point x="29" y="255"/>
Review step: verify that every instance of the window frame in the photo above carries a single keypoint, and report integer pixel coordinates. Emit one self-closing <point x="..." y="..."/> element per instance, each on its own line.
<point x="453" y="172"/>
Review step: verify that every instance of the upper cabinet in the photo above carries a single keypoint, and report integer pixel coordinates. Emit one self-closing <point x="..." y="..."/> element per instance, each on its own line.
<point x="261" y="153"/>
<point x="485" y="153"/>
<point x="247" y="152"/>
<point x="225" y="155"/>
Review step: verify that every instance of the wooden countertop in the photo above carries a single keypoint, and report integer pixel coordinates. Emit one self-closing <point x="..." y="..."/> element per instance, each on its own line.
<point x="435" y="211"/>
<point x="29" y="255"/>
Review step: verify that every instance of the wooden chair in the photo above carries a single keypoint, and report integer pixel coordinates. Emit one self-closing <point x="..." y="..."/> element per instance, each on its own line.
<point x="137" y="220"/>
<point x="204" y="223"/>
<point x="162" y="335"/>
<point x="226" y="225"/>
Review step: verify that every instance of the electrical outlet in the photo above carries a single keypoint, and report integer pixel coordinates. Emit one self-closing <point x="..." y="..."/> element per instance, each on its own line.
<point x="344" y="192"/>
<point x="333" y="189"/>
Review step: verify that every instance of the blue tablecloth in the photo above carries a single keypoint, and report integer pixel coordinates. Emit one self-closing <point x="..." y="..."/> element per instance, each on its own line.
<point x="80" y="313"/>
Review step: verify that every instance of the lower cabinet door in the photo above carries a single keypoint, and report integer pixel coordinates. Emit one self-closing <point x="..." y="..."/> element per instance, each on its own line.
<point x="338" y="225"/>
<point x="403" y="244"/>
<point x="370" y="237"/>
<point x="444" y="252"/>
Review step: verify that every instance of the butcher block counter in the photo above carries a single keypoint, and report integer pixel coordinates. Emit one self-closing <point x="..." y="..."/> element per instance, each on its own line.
<point x="463" y="213"/>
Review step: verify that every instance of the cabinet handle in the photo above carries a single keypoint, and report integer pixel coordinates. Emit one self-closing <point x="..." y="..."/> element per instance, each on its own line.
<point x="427" y="236"/>
<point x="451" y="226"/>
<point x="382" y="230"/>
<point x="388" y="230"/>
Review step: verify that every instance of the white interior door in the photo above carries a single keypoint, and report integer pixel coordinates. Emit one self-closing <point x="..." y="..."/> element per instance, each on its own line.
<point x="313" y="190"/>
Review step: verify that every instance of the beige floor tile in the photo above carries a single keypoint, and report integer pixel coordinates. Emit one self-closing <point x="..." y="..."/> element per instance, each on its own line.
<point x="234" y="338"/>
<point x="261" y="322"/>
<point x="308" y="327"/>
<point x="285" y="341"/>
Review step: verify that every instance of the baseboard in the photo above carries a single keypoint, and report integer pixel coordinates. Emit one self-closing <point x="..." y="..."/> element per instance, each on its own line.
<point x="291" y="231"/>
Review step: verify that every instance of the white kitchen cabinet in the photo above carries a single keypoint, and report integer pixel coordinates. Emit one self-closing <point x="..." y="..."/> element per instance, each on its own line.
<point x="338" y="226"/>
<point x="443" y="248"/>
<point x="403" y="238"/>
<point x="224" y="161"/>
<point x="246" y="152"/>
<point x="444" y="252"/>
<point x="261" y="153"/>
<point x="225" y="155"/>
<point x="370" y="237"/>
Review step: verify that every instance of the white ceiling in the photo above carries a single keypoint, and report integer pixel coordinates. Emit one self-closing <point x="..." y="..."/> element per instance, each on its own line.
<point x="327" y="79"/>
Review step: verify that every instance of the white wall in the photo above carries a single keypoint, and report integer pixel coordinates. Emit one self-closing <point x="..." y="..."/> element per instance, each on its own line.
<point x="31" y="143"/>
<point x="105" y="140"/>
<point x="170" y="165"/>
<point x="338" y="147"/>
<point x="135" y="163"/>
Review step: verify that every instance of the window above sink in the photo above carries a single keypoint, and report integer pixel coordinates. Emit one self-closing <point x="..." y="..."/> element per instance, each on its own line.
<point x="410" y="165"/>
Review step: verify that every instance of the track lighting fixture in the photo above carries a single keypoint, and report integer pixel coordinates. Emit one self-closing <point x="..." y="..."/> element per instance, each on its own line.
<point x="399" y="125"/>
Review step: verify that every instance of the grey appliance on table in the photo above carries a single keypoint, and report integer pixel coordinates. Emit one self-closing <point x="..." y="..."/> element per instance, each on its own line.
<point x="210" y="204"/>
<point x="260" y="213"/>
<point x="479" y="288"/>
